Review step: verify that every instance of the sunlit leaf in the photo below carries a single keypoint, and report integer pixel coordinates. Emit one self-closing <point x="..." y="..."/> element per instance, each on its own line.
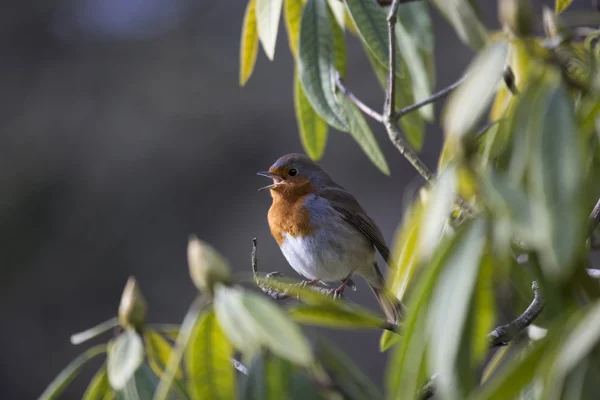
<point x="388" y="339"/>
<point x="497" y="359"/>
<point x="251" y="321"/>
<point x="404" y="372"/>
<point x="248" y="43"/>
<point x="208" y="361"/>
<point x="313" y="129"/>
<point x="62" y="380"/>
<point x="268" y="13"/>
<point x="158" y="351"/>
<point x="316" y="63"/>
<point x="99" y="388"/>
<point x="362" y="134"/>
<point x="339" y="11"/>
<point x="339" y="45"/>
<point x="483" y="310"/>
<point x="453" y="291"/>
<point x="561" y="5"/>
<point x="292" y="14"/>
<point x="338" y="316"/>
<point x="413" y="125"/>
<point x="463" y="18"/>
<point x="406" y="257"/>
<point x="355" y="384"/>
<point x="125" y="356"/>
<point x="468" y="103"/>
<point x="91" y="333"/>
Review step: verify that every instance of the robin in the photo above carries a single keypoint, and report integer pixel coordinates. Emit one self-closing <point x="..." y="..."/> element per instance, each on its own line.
<point x="323" y="231"/>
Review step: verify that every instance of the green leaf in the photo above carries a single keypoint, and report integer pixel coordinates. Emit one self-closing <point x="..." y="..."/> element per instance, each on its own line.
<point x="251" y="321"/>
<point x="436" y="214"/>
<point x="561" y="5"/>
<point x="60" y="383"/>
<point x="313" y="129"/>
<point x="142" y="386"/>
<point x="248" y="43"/>
<point x="292" y="14"/>
<point x="409" y="45"/>
<point x="268" y="13"/>
<point x="337" y="316"/>
<point x="354" y="383"/>
<point x="158" y="351"/>
<point x="406" y="257"/>
<point x="269" y="378"/>
<point x="412" y="124"/>
<point x="483" y="309"/>
<point x="362" y="134"/>
<point x="471" y="100"/>
<point x="91" y="333"/>
<point x="185" y="332"/>
<point x="453" y="291"/>
<point x="556" y="183"/>
<point x="388" y="339"/>
<point x="578" y="344"/>
<point x="125" y="356"/>
<point x="316" y="63"/>
<point x="99" y="388"/>
<point x="208" y="361"/>
<point x="404" y="372"/>
<point x="464" y="20"/>
<point x="371" y="21"/>
<point x="339" y="11"/>
<point x="339" y="45"/>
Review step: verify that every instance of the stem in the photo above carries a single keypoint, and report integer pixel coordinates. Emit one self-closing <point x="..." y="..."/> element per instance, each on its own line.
<point x="339" y="82"/>
<point x="440" y="94"/>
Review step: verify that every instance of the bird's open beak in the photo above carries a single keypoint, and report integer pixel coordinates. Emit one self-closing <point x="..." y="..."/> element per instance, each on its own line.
<point x="276" y="179"/>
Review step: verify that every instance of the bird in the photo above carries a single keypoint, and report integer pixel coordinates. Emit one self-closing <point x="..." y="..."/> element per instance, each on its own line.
<point x="323" y="232"/>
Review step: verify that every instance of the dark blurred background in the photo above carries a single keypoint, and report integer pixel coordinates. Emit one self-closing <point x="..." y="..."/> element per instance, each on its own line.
<point x="123" y="130"/>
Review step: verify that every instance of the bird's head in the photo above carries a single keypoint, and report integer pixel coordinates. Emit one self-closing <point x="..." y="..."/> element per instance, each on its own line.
<point x="294" y="173"/>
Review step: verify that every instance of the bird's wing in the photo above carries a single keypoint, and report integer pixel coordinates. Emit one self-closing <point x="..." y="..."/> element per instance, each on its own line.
<point x="344" y="203"/>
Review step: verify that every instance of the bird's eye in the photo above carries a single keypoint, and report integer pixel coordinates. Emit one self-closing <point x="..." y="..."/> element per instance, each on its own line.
<point x="292" y="172"/>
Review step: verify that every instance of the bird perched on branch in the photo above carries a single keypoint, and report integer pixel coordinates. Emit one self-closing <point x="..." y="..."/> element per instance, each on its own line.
<point x="323" y="231"/>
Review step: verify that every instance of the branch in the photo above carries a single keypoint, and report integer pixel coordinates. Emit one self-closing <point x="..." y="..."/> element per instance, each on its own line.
<point x="339" y="82"/>
<point x="505" y="333"/>
<point x="440" y="94"/>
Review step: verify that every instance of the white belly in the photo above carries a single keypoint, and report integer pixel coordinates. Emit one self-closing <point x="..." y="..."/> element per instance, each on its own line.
<point x="334" y="251"/>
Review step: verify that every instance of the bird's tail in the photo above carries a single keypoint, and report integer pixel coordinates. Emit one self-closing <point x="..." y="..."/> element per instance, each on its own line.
<point x="392" y="307"/>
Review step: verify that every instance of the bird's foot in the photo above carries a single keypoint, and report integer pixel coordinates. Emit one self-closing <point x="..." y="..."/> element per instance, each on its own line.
<point x="306" y="282"/>
<point x="338" y="292"/>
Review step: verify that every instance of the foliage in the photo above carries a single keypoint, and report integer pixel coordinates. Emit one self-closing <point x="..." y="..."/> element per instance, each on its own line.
<point x="510" y="204"/>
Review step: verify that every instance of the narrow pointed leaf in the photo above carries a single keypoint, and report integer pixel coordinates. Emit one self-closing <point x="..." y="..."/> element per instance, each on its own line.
<point x="354" y="382"/>
<point x="208" y="362"/>
<point x="561" y="5"/>
<point x="158" y="351"/>
<point x="99" y="388"/>
<point x="339" y="11"/>
<point x="251" y="321"/>
<point x="268" y="13"/>
<point x="337" y="317"/>
<point x="292" y="14"/>
<point x="483" y="309"/>
<point x="248" y="43"/>
<point x="60" y="383"/>
<point x="313" y="129"/>
<point x="124" y="357"/>
<point x="316" y="63"/>
<point x="362" y="134"/>
<point x="468" y="103"/>
<point x="462" y="16"/>
<point x="388" y="339"/>
<point x="453" y="292"/>
<point x="339" y="45"/>
<point x="91" y="333"/>
<point x="269" y="378"/>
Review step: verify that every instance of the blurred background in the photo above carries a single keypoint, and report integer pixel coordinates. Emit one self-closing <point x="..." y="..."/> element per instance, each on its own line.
<point x="124" y="130"/>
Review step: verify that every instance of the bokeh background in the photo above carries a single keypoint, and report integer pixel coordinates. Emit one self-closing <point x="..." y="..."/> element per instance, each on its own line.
<point x="123" y="130"/>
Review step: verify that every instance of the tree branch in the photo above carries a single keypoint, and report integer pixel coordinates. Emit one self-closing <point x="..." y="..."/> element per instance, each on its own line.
<point x="505" y="333"/>
<point x="440" y="94"/>
<point x="339" y="82"/>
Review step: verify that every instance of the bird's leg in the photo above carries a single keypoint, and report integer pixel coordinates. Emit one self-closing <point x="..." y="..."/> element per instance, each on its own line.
<point x="339" y="291"/>
<point x="306" y="282"/>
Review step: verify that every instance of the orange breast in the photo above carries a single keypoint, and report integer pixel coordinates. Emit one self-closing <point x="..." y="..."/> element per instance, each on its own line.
<point x="288" y="215"/>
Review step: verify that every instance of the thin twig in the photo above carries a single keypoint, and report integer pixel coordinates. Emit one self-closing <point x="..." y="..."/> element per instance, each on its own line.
<point x="339" y="82"/>
<point x="505" y="333"/>
<point x="440" y="94"/>
<point x="239" y="366"/>
<point x="254" y="260"/>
